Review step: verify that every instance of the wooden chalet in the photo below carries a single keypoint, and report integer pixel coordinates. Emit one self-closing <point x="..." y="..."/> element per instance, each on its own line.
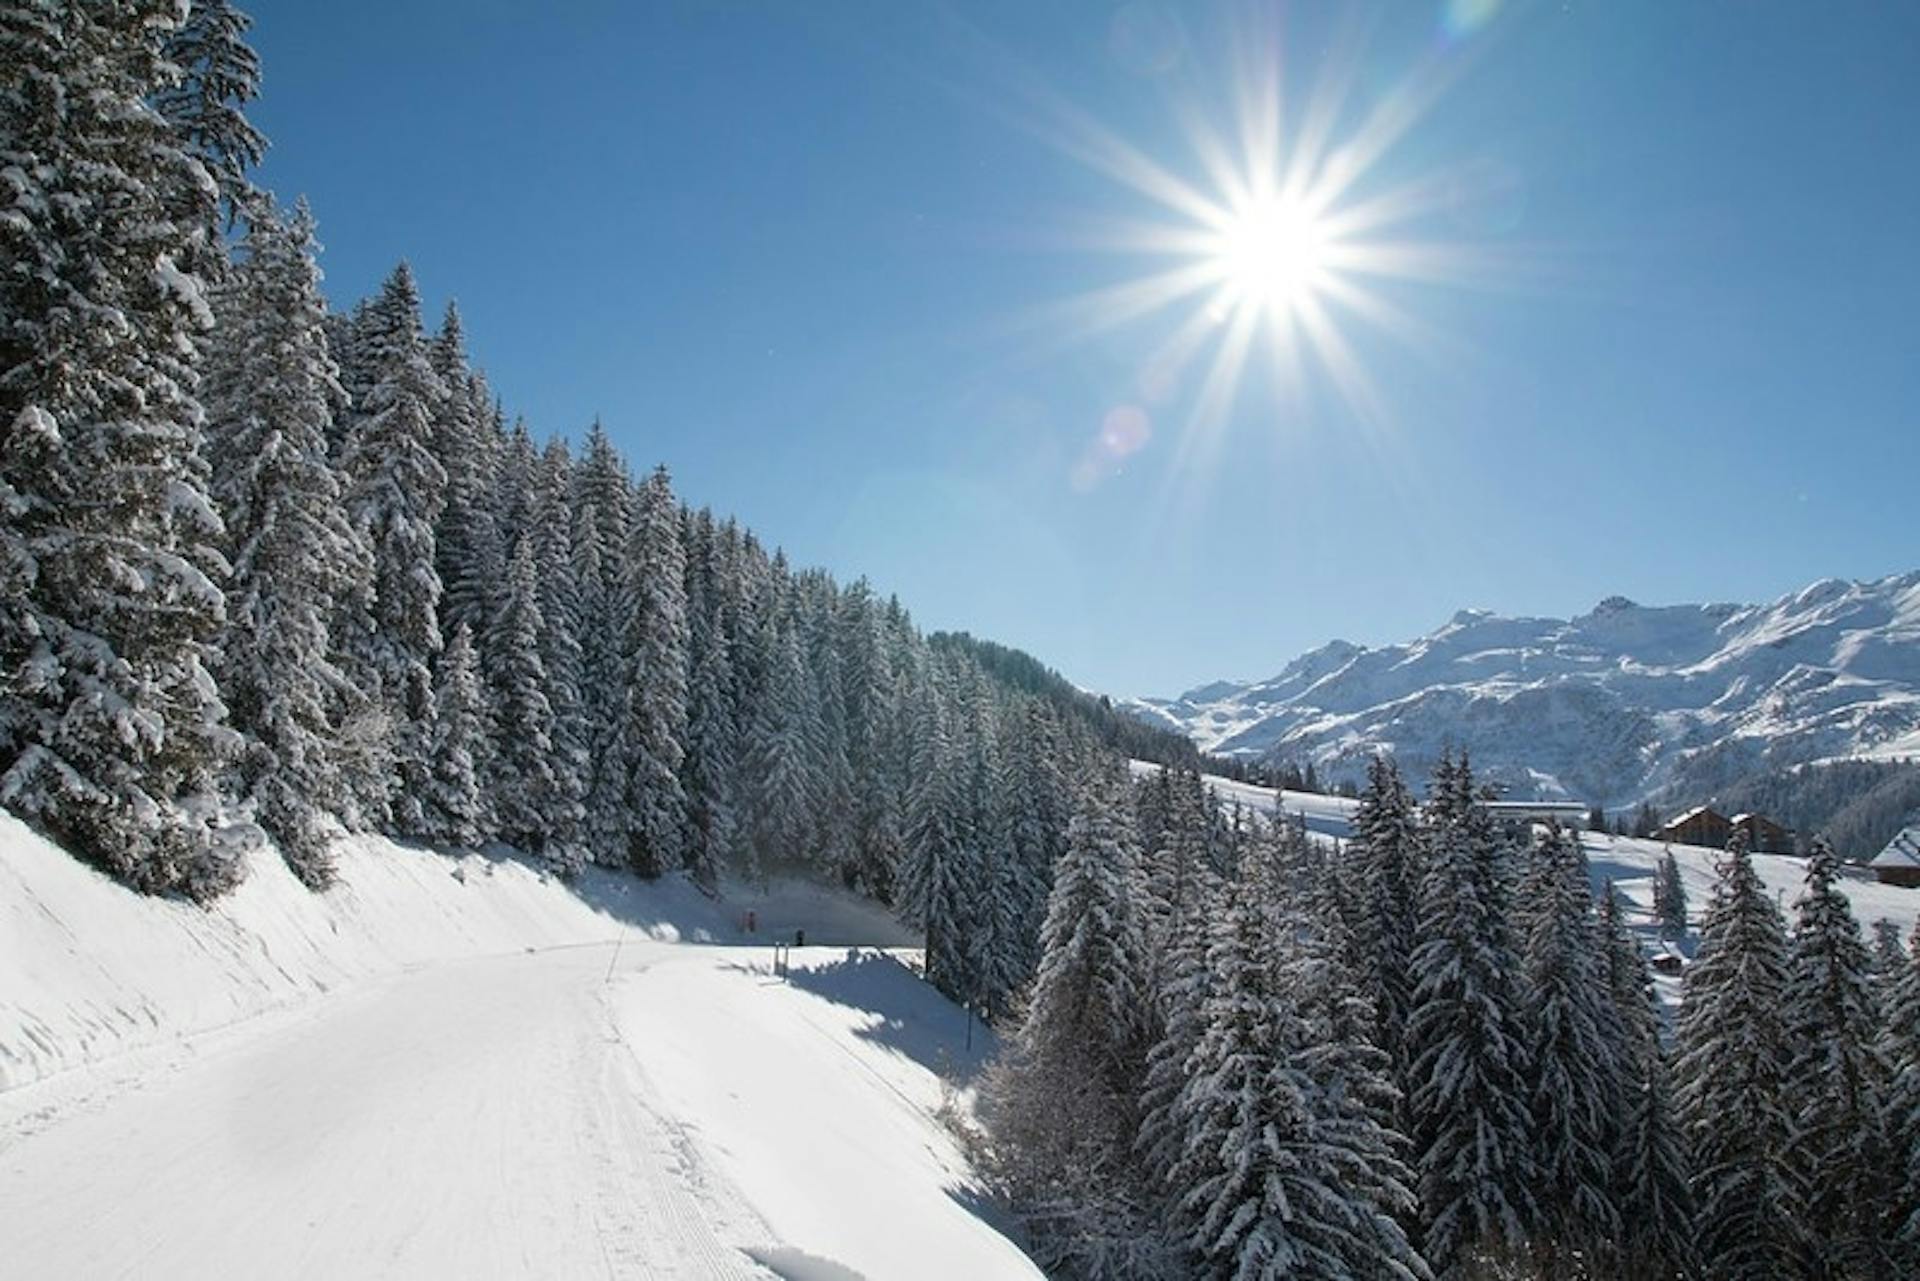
<point x="1899" y="863"/>
<point x="1764" y="836"/>
<point x="1702" y="825"/>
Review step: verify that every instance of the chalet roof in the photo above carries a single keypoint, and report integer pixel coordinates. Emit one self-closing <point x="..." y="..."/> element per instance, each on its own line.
<point x="1754" y="818"/>
<point x="1696" y="812"/>
<point x="1902" y="851"/>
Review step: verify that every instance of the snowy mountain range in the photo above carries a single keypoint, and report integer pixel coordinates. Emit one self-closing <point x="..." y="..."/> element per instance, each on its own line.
<point x="1623" y="703"/>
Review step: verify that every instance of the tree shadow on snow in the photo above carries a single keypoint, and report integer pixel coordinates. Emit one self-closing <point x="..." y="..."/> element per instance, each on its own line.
<point x="911" y="1017"/>
<point x="992" y="1213"/>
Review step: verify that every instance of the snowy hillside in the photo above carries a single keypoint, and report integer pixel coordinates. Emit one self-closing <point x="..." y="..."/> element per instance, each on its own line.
<point x="460" y="1067"/>
<point x="1630" y="864"/>
<point x="1622" y="703"/>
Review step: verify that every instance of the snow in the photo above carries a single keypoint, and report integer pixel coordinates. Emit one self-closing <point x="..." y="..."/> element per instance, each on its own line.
<point x="1629" y="863"/>
<point x="459" y="1066"/>
<point x="1615" y="706"/>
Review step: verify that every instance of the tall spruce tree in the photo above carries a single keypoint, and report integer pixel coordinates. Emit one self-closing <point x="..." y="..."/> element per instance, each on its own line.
<point x="217" y="75"/>
<point x="709" y="767"/>
<point x="654" y="735"/>
<point x="1733" y="1096"/>
<point x="1063" y="1092"/>
<point x="453" y="807"/>
<point x="1466" y="1046"/>
<point x="396" y="490"/>
<point x="273" y="390"/>
<point x="1652" y="1175"/>
<point x="1900" y="1049"/>
<point x="1283" y="1173"/>
<point x="562" y="612"/>
<point x="1386" y="850"/>
<point x="777" y="755"/>
<point x="110" y="725"/>
<point x="1840" y="1154"/>
<point x="526" y="790"/>
<point x="1670" y="897"/>
<point x="468" y="554"/>
<point x="1574" y="1061"/>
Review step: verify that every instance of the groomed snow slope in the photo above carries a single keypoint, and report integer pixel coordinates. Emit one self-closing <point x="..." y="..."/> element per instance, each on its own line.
<point x="456" y="1067"/>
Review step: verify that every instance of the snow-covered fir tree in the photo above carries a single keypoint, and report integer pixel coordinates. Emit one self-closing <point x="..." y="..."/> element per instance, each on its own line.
<point x="453" y="808"/>
<point x="1900" y="1050"/>
<point x="1733" y="1097"/>
<point x="1466" y="1050"/>
<point x="1385" y="851"/>
<point x="653" y="737"/>
<point x="777" y="754"/>
<point x="556" y="574"/>
<point x="934" y="876"/>
<point x="272" y="394"/>
<point x="1670" y="897"/>
<point x="1652" y="1176"/>
<point x="709" y="767"/>
<point x="526" y="790"/>
<point x="1576" y="1044"/>
<point x="1840" y="1154"/>
<point x="468" y="554"/>
<point x="1282" y="1173"/>
<point x="218" y="75"/>
<point x="1063" y="1092"/>
<point x="396" y="490"/>
<point x="111" y="727"/>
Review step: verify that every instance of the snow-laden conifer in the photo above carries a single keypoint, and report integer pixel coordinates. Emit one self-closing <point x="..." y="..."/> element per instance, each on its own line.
<point x="1284" y="1171"/>
<point x="1837" y="1080"/>
<point x="1900" y="1050"/>
<point x="1733" y="1097"/>
<point x="1575" y="1052"/>
<point x="454" y="810"/>
<point x="1652" y="1175"/>
<point x="1062" y="1095"/>
<point x="1385" y="850"/>
<point x="396" y="490"/>
<point x="526" y="789"/>
<point x="654" y="735"/>
<point x="1466" y="1046"/>
<point x="272" y="395"/>
<point x="468" y="552"/>
<point x="111" y="728"/>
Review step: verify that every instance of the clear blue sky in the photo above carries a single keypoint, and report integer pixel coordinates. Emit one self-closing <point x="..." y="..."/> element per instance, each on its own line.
<point x="810" y="256"/>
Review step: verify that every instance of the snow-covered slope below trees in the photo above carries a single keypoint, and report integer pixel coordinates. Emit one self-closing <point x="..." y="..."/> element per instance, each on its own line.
<point x="1628" y="863"/>
<point x="454" y="1066"/>
<point x="1622" y="703"/>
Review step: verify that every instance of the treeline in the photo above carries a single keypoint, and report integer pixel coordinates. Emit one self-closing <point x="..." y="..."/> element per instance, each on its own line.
<point x="1434" y="1053"/>
<point x="1126" y="734"/>
<point x="269" y="567"/>
<point x="1858" y="805"/>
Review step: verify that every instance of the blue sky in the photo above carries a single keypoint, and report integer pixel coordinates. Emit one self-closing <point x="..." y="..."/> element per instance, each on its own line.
<point x="818" y="259"/>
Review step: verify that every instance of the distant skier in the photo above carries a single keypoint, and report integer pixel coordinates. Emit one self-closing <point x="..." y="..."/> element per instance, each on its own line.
<point x="752" y="921"/>
<point x="799" y="938"/>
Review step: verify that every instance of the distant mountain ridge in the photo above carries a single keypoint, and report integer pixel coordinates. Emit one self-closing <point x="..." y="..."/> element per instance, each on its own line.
<point x="1623" y="703"/>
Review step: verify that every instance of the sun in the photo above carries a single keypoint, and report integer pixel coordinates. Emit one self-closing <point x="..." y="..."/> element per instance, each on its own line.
<point x="1273" y="255"/>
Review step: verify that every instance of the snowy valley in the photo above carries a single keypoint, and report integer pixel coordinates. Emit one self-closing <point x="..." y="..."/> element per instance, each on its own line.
<point x="432" y="849"/>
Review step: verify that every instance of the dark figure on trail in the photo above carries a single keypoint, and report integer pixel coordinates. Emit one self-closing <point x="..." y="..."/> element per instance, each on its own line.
<point x="799" y="938"/>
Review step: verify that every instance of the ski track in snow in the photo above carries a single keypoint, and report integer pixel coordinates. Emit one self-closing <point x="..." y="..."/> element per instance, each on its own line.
<point x="440" y="1123"/>
<point x="483" y="1075"/>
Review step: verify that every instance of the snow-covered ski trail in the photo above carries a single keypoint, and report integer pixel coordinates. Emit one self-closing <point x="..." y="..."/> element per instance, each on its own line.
<point x="480" y="1118"/>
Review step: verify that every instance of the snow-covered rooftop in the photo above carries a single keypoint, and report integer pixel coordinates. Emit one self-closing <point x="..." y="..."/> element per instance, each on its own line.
<point x="1902" y="851"/>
